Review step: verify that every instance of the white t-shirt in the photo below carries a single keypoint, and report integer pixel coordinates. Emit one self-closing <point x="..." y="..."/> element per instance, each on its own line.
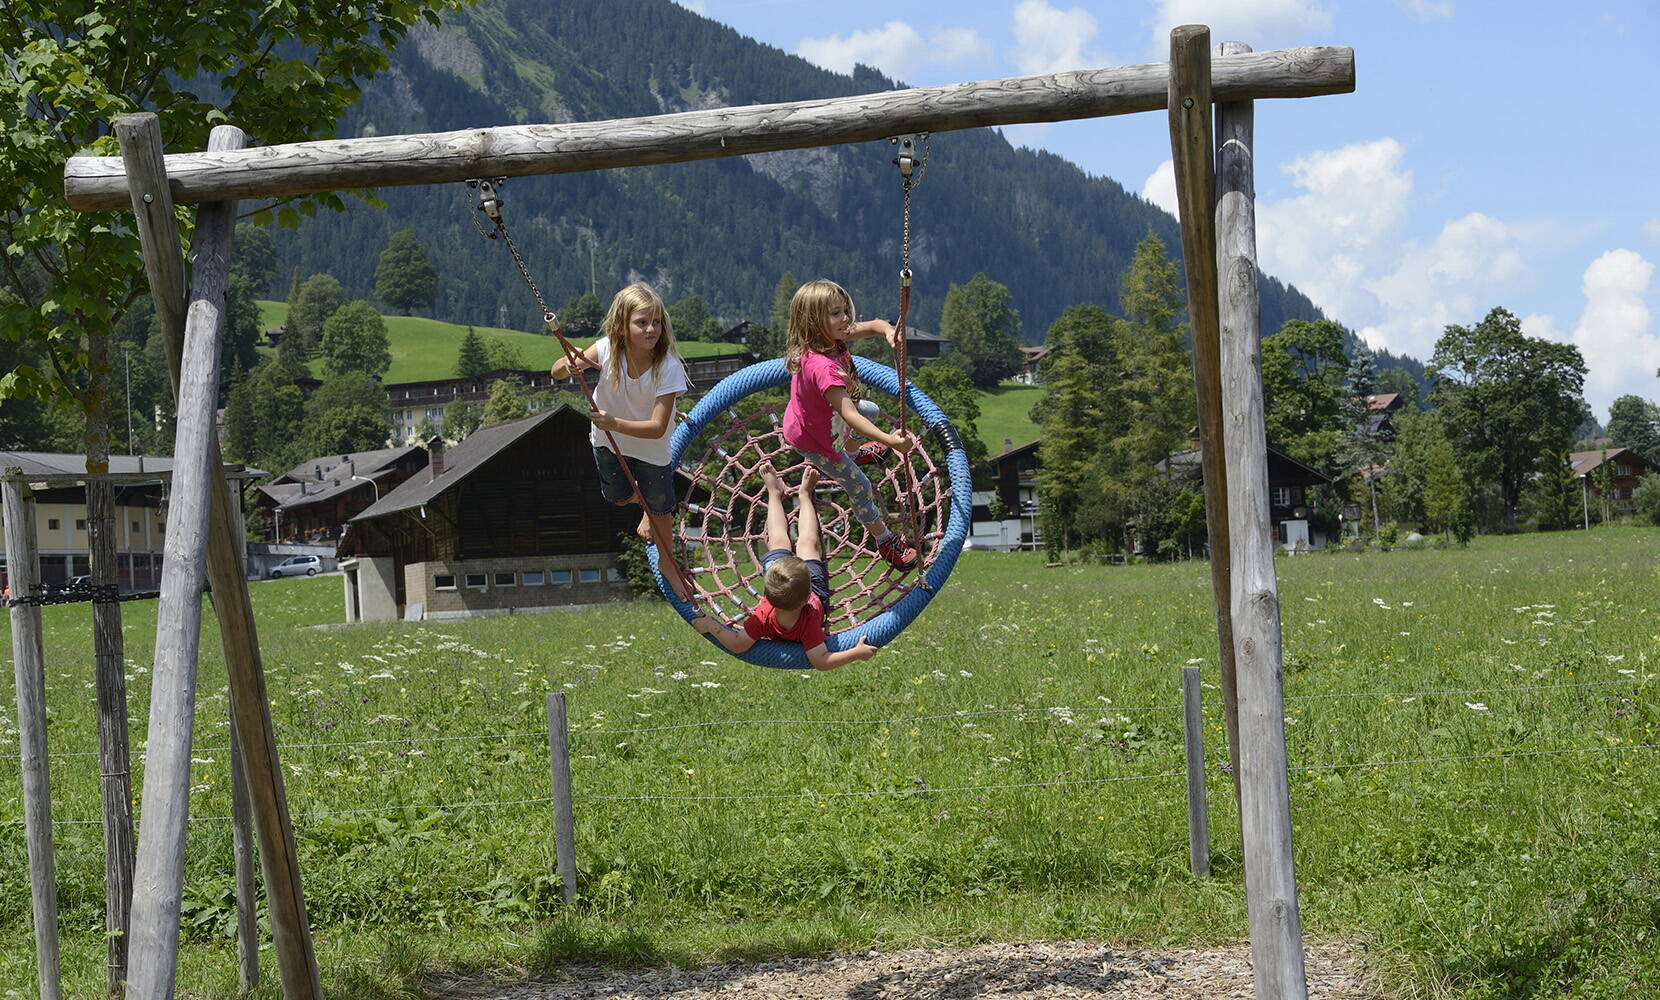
<point x="635" y="399"/>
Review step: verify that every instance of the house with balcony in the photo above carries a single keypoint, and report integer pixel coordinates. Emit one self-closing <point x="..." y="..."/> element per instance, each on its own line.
<point x="1608" y="478"/>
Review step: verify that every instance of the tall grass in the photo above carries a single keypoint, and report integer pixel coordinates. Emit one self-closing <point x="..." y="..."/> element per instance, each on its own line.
<point x="1471" y="797"/>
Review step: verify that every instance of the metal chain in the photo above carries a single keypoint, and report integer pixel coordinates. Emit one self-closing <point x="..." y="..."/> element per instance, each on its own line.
<point x="910" y="183"/>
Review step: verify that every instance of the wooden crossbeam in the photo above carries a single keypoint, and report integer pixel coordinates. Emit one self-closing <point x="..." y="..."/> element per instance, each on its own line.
<point x="97" y="183"/>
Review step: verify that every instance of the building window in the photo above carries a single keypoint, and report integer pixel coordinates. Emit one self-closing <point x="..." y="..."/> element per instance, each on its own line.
<point x="534" y="577"/>
<point x="1281" y="496"/>
<point x="476" y="580"/>
<point x="80" y="524"/>
<point x="504" y="580"/>
<point x="443" y="581"/>
<point x="136" y="527"/>
<point x="560" y="576"/>
<point x="616" y="575"/>
<point x="588" y="575"/>
<point x="1622" y="469"/>
<point x="51" y="524"/>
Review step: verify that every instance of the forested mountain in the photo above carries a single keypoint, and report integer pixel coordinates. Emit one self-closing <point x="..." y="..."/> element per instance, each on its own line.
<point x="726" y="230"/>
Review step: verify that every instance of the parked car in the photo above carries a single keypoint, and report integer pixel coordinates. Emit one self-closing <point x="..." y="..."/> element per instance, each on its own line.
<point x="295" y="566"/>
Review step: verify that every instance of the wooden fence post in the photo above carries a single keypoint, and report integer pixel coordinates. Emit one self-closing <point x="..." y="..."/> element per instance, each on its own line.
<point x="1265" y="814"/>
<point x="29" y="667"/>
<point x="564" y="827"/>
<point x="1193" y="732"/>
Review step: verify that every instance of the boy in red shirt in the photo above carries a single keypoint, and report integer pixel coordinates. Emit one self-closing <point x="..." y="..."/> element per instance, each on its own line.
<point x="797" y="586"/>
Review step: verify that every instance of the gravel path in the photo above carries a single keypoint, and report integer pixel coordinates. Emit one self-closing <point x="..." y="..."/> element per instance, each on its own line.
<point x="1051" y="970"/>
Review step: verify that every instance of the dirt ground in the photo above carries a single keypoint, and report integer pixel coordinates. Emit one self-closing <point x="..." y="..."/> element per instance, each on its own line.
<point x="1025" y="971"/>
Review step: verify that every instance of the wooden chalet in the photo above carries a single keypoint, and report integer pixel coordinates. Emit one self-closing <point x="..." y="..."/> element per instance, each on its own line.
<point x="1289" y="504"/>
<point x="510" y="518"/>
<point x="1624" y="469"/>
<point x="313" y="501"/>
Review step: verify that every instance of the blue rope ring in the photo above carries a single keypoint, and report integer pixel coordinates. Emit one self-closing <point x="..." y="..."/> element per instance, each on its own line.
<point x="883" y="628"/>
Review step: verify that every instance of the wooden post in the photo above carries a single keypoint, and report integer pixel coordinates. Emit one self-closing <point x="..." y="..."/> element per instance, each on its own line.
<point x="140" y="137"/>
<point x="158" y="882"/>
<point x="242" y="838"/>
<point x="1191" y="152"/>
<point x="29" y="668"/>
<point x="93" y="183"/>
<point x="564" y="828"/>
<point x="1265" y="814"/>
<point x="1193" y="732"/>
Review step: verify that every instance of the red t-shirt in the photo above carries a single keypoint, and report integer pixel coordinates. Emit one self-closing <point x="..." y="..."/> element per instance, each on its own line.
<point x="807" y="416"/>
<point x="762" y="623"/>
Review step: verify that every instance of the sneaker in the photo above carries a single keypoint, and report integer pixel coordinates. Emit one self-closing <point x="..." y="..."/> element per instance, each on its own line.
<point x="870" y="451"/>
<point x="897" y="552"/>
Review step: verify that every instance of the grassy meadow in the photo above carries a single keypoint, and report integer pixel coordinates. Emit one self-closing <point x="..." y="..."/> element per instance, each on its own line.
<point x="1475" y="795"/>
<point x="425" y="349"/>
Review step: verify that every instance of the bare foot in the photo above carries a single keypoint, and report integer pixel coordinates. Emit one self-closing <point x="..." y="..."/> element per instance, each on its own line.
<point x="769" y="475"/>
<point x="809" y="479"/>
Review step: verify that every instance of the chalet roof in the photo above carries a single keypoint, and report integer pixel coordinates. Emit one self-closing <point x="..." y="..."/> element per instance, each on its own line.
<point x="912" y="333"/>
<point x="47" y="464"/>
<point x="329" y="467"/>
<point x="460" y="461"/>
<point x="1382" y="401"/>
<point x="1583" y="463"/>
<point x="1191" y="458"/>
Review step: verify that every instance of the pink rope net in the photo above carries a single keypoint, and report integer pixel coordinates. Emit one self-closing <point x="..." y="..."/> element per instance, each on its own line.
<point x="722" y="534"/>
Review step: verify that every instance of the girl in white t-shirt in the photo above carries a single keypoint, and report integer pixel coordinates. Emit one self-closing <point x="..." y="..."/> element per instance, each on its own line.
<point x="640" y="374"/>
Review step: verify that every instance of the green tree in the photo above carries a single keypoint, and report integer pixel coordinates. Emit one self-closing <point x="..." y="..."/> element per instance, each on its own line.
<point x="404" y="277"/>
<point x="354" y="340"/>
<point x="1153" y="397"/>
<point x="690" y="320"/>
<point x="1364" y="447"/>
<point x="983" y="326"/>
<point x="1647" y="497"/>
<point x="1305" y="400"/>
<point x="1507" y="398"/>
<point x="1634" y="422"/>
<point x="500" y="355"/>
<point x="472" y="360"/>
<point x="461" y="418"/>
<point x="320" y="296"/>
<point x="254" y="257"/>
<point x="1086" y="329"/>
<point x="948" y="386"/>
<point x="1554" y="492"/>
<point x="347" y="413"/>
<point x="239" y="350"/>
<point x="782" y="293"/>
<point x="263" y="417"/>
<point x="1071" y="417"/>
<point x="582" y="316"/>
<point x="506" y="402"/>
<point x="1445" y="494"/>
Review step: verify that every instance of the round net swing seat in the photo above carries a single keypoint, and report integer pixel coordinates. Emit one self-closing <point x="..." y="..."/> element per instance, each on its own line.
<point x="720" y="530"/>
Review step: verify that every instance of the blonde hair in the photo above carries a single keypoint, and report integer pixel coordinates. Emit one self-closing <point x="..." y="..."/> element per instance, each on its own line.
<point x="615" y="328"/>
<point x="809" y="328"/>
<point x="788" y="583"/>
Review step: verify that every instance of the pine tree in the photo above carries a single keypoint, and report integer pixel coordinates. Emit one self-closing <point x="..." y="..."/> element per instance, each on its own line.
<point x="404" y="277"/>
<point x="472" y="360"/>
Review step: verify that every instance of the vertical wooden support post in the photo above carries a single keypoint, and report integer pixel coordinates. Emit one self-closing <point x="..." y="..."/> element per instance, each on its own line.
<point x="564" y="827"/>
<point x="1193" y="733"/>
<point x="1191" y="152"/>
<point x="242" y="838"/>
<point x="158" y="876"/>
<point x="140" y="138"/>
<point x="29" y="667"/>
<point x="1265" y="816"/>
<point x="114" y="753"/>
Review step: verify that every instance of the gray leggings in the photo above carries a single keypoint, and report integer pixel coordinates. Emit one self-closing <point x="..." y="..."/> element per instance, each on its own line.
<point x="860" y="494"/>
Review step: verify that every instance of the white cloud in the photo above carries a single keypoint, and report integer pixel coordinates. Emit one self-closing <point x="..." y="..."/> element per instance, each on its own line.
<point x="1455" y="279"/>
<point x="1426" y="10"/>
<point x="1616" y="332"/>
<point x="1160" y="188"/>
<point x="1050" y="40"/>
<point x="896" y="48"/>
<point x="1263" y="24"/>
<point x="1651" y="229"/>
<point x="1543" y="326"/>
<point x="1341" y="229"/>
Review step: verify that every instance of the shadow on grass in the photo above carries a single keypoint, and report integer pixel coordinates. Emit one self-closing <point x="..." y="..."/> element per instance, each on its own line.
<point x="586" y="941"/>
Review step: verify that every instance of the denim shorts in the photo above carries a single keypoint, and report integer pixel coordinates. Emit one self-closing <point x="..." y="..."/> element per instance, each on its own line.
<point x="817" y="576"/>
<point x="656" y="481"/>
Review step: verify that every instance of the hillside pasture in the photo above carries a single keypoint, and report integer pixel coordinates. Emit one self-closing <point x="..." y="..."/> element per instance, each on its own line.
<point x="1471" y="733"/>
<point x="425" y="349"/>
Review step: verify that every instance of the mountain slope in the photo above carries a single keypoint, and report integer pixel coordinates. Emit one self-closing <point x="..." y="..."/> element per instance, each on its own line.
<point x="723" y="229"/>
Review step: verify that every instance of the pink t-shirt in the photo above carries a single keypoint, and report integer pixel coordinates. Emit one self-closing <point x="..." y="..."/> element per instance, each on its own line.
<point x="807" y="417"/>
<point x="762" y="623"/>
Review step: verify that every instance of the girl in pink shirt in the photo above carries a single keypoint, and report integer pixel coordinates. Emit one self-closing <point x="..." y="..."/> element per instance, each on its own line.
<point x="824" y="390"/>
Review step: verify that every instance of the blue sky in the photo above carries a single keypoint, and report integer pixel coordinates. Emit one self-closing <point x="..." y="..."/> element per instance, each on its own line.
<point x="1493" y="154"/>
